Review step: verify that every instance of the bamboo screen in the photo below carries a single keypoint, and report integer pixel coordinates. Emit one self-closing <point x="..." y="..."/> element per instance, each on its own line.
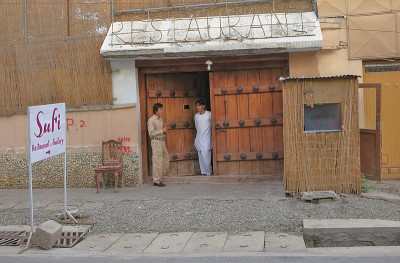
<point x="72" y="72"/>
<point x="277" y="6"/>
<point x="58" y="60"/>
<point x="321" y="161"/>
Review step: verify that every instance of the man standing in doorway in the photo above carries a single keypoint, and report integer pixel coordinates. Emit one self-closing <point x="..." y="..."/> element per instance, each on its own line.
<point x="202" y="121"/>
<point x="160" y="156"/>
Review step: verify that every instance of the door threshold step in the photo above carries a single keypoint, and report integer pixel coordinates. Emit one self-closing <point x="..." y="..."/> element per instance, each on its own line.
<point x="220" y="179"/>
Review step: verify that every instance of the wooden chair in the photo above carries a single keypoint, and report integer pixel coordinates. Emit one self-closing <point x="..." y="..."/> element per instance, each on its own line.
<point x="112" y="162"/>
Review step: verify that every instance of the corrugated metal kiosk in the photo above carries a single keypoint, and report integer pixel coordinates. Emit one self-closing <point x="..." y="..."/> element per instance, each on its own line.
<point x="321" y="134"/>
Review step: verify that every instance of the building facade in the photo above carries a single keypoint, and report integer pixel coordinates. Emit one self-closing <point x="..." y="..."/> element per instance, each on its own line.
<point x="126" y="56"/>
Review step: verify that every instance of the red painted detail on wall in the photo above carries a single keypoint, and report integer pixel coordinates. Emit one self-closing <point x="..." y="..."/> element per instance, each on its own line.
<point x="127" y="149"/>
<point x="124" y="139"/>
<point x="71" y="122"/>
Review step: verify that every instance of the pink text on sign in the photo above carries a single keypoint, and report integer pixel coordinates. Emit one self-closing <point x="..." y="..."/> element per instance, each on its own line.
<point x="48" y="127"/>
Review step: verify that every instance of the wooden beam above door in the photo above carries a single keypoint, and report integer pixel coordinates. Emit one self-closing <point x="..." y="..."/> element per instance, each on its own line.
<point x="218" y="63"/>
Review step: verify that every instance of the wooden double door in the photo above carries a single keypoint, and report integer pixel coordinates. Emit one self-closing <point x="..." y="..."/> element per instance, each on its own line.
<point x="246" y="108"/>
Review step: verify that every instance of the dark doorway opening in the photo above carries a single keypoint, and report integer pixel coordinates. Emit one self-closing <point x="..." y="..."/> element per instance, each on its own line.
<point x="178" y="92"/>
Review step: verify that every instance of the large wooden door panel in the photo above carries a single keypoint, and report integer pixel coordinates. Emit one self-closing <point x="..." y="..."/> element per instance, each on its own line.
<point x="247" y="122"/>
<point x="243" y="135"/>
<point x="232" y="136"/>
<point x="220" y="138"/>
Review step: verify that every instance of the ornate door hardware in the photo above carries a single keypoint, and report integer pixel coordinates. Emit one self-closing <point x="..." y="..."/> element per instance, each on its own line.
<point x="250" y="156"/>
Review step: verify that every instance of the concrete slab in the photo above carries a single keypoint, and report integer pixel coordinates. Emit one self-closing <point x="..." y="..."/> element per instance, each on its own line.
<point x="7" y="205"/>
<point x="206" y="242"/>
<point x="76" y="228"/>
<point x="245" y="242"/>
<point x="96" y="243"/>
<point x="70" y="228"/>
<point x="36" y="204"/>
<point x="47" y="234"/>
<point x="193" y="191"/>
<point x="36" y="250"/>
<point x="382" y="196"/>
<point x="274" y="191"/>
<point x="365" y="252"/>
<point x="10" y="250"/>
<point x="132" y="243"/>
<point x="91" y="205"/>
<point x="169" y="243"/>
<point x="15" y="228"/>
<point x="60" y="206"/>
<point x="350" y="232"/>
<point x="316" y="195"/>
<point x="281" y="242"/>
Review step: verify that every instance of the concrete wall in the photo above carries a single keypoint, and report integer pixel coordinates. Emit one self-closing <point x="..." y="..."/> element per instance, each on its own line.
<point x="323" y="63"/>
<point x="86" y="130"/>
<point x="333" y="59"/>
<point x="124" y="81"/>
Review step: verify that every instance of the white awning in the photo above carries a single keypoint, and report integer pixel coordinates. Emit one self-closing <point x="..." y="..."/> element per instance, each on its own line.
<point x="218" y="35"/>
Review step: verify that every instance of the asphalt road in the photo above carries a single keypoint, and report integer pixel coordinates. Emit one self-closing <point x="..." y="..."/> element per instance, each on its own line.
<point x="205" y="259"/>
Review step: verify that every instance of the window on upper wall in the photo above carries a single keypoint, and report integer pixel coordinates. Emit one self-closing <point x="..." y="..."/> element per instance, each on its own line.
<point x="322" y="118"/>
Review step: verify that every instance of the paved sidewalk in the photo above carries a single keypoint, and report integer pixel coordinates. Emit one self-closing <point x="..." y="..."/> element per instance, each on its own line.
<point x="198" y="245"/>
<point x="53" y="198"/>
<point x="170" y="243"/>
<point x="77" y="197"/>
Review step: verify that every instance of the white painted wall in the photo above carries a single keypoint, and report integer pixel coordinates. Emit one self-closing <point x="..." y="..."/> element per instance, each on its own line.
<point x="124" y="81"/>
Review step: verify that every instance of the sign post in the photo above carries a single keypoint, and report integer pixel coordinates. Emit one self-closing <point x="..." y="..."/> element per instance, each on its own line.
<point x="47" y="138"/>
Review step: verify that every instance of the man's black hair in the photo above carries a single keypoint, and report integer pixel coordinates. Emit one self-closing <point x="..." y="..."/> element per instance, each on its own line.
<point x="200" y="102"/>
<point x="156" y="107"/>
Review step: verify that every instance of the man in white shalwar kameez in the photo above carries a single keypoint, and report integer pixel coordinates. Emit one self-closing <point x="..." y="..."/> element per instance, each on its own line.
<point x="202" y="142"/>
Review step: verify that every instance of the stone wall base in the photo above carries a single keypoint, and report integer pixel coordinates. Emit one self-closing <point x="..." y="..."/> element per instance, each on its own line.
<point x="49" y="173"/>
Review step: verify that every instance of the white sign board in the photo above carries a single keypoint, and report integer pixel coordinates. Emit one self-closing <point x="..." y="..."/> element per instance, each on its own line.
<point x="47" y="131"/>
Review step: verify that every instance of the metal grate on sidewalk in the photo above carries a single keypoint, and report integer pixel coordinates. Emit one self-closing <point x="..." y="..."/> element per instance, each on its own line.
<point x="15" y="238"/>
<point x="69" y="239"/>
<point x="12" y="238"/>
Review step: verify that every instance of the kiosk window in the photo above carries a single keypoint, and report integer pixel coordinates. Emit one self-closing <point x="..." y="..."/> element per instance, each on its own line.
<point x="322" y="118"/>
